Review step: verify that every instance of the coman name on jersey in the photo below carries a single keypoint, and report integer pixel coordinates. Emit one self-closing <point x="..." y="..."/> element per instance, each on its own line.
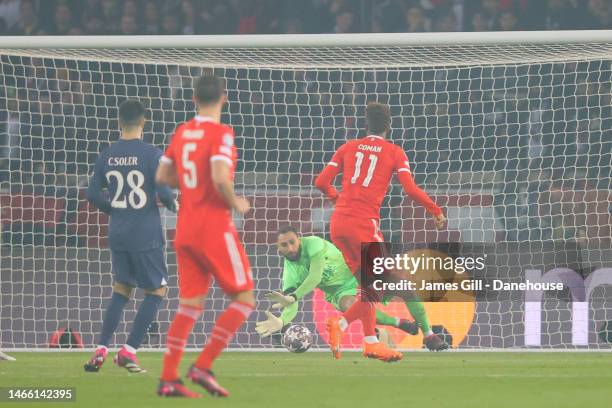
<point x="375" y="149"/>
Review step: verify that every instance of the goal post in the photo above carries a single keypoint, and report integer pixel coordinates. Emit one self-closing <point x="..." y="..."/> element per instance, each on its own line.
<point x="510" y="132"/>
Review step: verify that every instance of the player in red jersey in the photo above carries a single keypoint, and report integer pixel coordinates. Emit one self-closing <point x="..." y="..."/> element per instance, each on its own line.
<point x="200" y="161"/>
<point x="367" y="165"/>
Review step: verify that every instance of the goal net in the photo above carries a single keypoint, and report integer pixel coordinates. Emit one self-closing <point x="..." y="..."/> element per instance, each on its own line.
<point x="510" y="133"/>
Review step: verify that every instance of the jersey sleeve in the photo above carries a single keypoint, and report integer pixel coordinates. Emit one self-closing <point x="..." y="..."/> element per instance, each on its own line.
<point x="289" y="313"/>
<point x="401" y="162"/>
<point x="324" y="181"/>
<point x="312" y="246"/>
<point x="165" y="194"/>
<point x="97" y="182"/>
<point x="169" y="156"/>
<point x="404" y="174"/>
<point x="223" y="147"/>
<point x="337" y="159"/>
<point x="291" y="280"/>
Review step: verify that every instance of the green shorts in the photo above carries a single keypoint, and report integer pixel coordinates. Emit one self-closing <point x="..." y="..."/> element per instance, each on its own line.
<point x="334" y="296"/>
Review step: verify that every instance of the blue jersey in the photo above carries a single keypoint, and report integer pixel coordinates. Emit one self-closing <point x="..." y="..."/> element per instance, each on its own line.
<point x="127" y="170"/>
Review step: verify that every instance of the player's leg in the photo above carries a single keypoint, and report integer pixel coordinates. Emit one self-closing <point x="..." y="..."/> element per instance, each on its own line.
<point x="382" y="318"/>
<point x="348" y="234"/>
<point x="432" y="341"/>
<point x="122" y="290"/>
<point x="341" y="235"/>
<point x="194" y="282"/>
<point x="232" y="271"/>
<point x="151" y="275"/>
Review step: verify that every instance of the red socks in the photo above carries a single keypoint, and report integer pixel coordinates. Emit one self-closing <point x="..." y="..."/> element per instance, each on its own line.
<point x="364" y="311"/>
<point x="176" y="340"/>
<point x="226" y="326"/>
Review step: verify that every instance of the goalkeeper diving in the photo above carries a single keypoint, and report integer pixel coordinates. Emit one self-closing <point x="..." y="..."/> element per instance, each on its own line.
<point x="312" y="262"/>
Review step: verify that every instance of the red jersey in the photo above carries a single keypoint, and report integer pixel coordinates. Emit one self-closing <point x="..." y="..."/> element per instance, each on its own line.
<point x="195" y="145"/>
<point x="367" y="165"/>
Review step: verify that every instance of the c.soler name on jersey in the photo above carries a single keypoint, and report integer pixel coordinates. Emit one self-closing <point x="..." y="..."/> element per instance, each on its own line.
<point x="123" y="161"/>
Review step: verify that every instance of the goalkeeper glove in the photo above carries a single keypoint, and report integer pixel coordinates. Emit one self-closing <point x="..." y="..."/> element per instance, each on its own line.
<point x="280" y="299"/>
<point x="270" y="326"/>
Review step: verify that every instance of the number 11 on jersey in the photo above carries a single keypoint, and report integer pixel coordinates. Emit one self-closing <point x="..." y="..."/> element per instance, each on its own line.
<point x="359" y="156"/>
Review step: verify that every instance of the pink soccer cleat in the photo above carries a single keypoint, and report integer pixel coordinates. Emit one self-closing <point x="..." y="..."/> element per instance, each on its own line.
<point x="175" y="389"/>
<point x="128" y="360"/>
<point x="207" y="380"/>
<point x="95" y="363"/>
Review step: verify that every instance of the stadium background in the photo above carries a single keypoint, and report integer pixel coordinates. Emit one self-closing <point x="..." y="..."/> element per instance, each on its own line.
<point x="542" y="149"/>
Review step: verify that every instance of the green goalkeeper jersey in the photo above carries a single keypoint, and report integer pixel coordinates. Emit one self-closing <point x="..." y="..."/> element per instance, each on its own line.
<point x="321" y="265"/>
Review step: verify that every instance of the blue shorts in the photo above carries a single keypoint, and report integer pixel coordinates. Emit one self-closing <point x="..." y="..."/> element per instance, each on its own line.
<point x="144" y="269"/>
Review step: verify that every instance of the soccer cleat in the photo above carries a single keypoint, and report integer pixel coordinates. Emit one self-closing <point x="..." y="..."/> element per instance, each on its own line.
<point x="381" y="352"/>
<point x="335" y="335"/>
<point x="95" y="363"/>
<point x="410" y="327"/>
<point x="207" y="380"/>
<point x="434" y="343"/>
<point x="128" y="360"/>
<point x="175" y="389"/>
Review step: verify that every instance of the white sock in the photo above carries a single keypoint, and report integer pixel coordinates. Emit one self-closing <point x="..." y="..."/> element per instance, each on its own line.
<point x="101" y="347"/>
<point x="370" y="339"/>
<point x="343" y="323"/>
<point x="130" y="349"/>
<point x="397" y="321"/>
<point x="429" y="333"/>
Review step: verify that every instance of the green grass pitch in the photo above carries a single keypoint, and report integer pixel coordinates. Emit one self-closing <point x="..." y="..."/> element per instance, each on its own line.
<point x="312" y="380"/>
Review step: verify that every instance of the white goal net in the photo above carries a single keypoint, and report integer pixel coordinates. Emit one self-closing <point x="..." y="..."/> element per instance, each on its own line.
<point x="513" y="138"/>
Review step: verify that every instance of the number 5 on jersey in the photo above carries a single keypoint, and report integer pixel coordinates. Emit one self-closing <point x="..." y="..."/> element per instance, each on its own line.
<point x="190" y="176"/>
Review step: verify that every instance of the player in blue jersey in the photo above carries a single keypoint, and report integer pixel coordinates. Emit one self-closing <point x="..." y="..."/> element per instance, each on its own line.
<point x="126" y="170"/>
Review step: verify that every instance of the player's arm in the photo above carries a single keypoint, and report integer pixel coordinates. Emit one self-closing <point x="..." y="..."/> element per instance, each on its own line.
<point x="316" y="252"/>
<point x="221" y="164"/>
<point x="274" y="324"/>
<point x="164" y="193"/>
<point x="404" y="174"/>
<point x="166" y="196"/>
<point x="315" y="274"/>
<point x="222" y="180"/>
<point x="289" y="314"/>
<point x="96" y="186"/>
<point x="288" y="299"/>
<point x="324" y="182"/>
<point x="166" y="175"/>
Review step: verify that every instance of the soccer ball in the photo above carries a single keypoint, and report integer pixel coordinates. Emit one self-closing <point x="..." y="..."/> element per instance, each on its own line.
<point x="297" y="339"/>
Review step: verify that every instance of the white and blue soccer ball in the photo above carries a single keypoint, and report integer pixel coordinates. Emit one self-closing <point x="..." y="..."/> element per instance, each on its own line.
<point x="297" y="338"/>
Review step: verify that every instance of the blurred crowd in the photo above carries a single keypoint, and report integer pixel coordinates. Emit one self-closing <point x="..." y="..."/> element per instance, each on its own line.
<point x="541" y="129"/>
<point x="175" y="17"/>
<point x="537" y="128"/>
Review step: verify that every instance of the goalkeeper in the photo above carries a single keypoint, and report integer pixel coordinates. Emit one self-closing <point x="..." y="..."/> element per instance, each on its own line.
<point x="312" y="262"/>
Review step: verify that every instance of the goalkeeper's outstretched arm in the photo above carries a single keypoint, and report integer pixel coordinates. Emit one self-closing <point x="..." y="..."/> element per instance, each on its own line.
<point x="315" y="274"/>
<point x="288" y="300"/>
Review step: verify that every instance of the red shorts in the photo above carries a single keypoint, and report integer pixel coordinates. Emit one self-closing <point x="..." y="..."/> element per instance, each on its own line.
<point x="216" y="252"/>
<point x="348" y="233"/>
